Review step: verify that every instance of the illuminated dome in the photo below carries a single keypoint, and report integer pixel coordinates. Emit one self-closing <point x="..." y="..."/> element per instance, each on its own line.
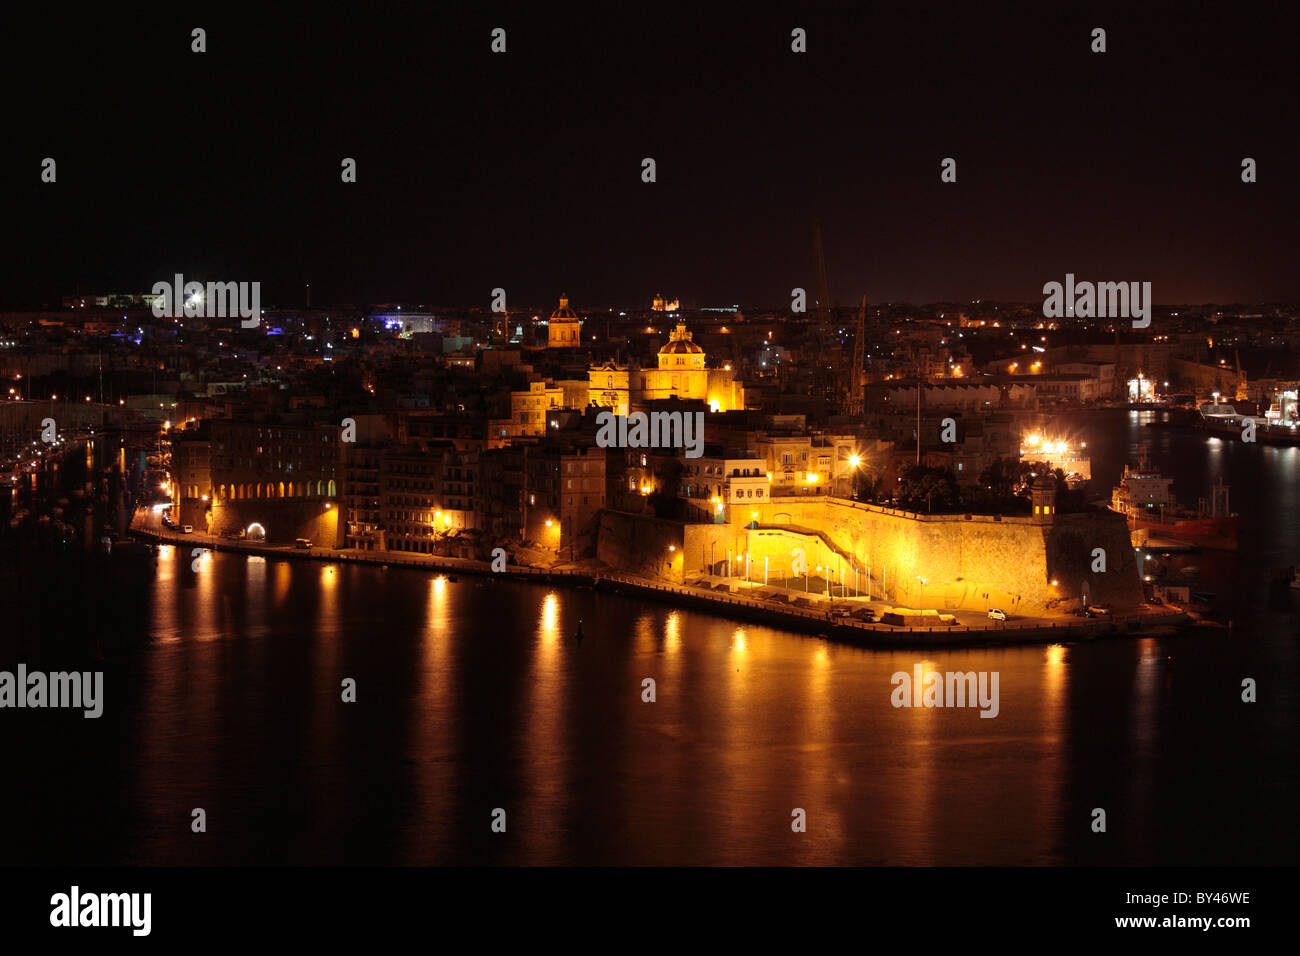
<point x="679" y="343"/>
<point x="564" y="313"/>
<point x="564" y="331"/>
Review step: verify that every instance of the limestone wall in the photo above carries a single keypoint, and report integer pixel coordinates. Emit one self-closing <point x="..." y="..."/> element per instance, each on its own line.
<point x="641" y="545"/>
<point x="975" y="562"/>
<point x="283" y="518"/>
<point x="1020" y="564"/>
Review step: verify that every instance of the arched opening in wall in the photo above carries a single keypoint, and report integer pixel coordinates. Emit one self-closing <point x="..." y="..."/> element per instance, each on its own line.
<point x="255" y="532"/>
<point x="259" y="489"/>
<point x="221" y="492"/>
<point x="782" y="518"/>
<point x="281" y="489"/>
<point x="331" y="487"/>
<point x="318" y="489"/>
<point x="291" y="489"/>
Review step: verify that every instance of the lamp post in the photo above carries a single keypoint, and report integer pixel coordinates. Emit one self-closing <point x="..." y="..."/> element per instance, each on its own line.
<point x="922" y="593"/>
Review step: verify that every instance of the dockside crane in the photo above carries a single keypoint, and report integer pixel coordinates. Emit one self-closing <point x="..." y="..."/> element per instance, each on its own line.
<point x="857" y="372"/>
<point x="921" y="362"/>
<point x="822" y="334"/>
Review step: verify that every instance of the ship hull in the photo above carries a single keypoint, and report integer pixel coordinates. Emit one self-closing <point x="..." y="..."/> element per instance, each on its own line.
<point x="1219" y="533"/>
<point x="1264" y="434"/>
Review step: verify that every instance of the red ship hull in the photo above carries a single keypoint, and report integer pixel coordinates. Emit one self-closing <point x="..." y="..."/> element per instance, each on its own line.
<point x="1194" y="530"/>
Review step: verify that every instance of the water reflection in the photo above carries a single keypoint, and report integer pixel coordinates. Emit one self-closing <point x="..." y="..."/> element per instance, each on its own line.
<point x="476" y="694"/>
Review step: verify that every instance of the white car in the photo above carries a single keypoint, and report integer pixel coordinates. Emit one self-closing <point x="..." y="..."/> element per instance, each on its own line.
<point x="186" y="529"/>
<point x="996" y="615"/>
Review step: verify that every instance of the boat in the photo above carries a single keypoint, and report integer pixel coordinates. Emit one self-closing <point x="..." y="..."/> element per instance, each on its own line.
<point x="1224" y="421"/>
<point x="1143" y="497"/>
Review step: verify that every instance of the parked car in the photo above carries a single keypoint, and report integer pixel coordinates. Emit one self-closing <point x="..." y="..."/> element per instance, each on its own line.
<point x="187" y="529"/>
<point x="996" y="614"/>
<point x="1098" y="610"/>
<point x="302" y="544"/>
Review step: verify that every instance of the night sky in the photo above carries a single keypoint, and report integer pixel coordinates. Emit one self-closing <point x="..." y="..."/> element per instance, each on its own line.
<point x="523" y="170"/>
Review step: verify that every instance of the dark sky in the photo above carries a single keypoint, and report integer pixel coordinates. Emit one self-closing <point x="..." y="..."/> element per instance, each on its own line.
<point x="523" y="170"/>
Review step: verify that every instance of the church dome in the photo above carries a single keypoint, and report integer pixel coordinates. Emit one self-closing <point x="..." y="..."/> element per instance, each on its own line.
<point x="679" y="343"/>
<point x="564" y="313"/>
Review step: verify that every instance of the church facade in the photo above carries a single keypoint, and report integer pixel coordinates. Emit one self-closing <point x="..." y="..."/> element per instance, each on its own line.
<point x="682" y="373"/>
<point x="564" y="330"/>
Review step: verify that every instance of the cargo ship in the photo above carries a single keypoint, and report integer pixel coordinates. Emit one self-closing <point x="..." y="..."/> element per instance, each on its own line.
<point x="1143" y="497"/>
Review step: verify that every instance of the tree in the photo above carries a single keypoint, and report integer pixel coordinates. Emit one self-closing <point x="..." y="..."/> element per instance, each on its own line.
<point x="1004" y="487"/>
<point x="1068" y="500"/>
<point x="929" y="490"/>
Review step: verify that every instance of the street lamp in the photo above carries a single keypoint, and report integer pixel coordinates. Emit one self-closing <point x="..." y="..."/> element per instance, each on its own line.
<point x="922" y="580"/>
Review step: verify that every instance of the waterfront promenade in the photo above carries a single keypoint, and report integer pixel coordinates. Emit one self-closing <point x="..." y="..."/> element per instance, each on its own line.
<point x="732" y="597"/>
